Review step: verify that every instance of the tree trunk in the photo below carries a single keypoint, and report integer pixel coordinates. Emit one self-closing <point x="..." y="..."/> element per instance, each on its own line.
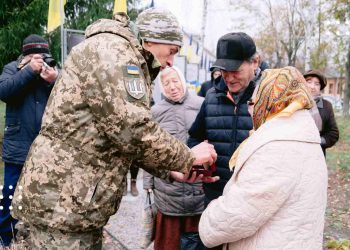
<point x="347" y="85"/>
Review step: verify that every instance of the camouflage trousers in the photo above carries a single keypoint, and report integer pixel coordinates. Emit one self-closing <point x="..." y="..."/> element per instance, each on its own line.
<point x="56" y="240"/>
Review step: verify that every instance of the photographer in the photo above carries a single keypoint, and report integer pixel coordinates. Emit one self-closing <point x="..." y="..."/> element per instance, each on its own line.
<point x="25" y="86"/>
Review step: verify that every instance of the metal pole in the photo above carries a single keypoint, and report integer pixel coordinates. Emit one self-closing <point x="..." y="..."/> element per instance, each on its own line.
<point x="62" y="31"/>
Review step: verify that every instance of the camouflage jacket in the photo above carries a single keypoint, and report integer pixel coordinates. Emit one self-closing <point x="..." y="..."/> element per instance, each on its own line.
<point x="96" y="123"/>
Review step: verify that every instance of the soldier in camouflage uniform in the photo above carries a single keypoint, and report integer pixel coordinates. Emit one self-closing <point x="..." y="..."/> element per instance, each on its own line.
<point x="96" y="124"/>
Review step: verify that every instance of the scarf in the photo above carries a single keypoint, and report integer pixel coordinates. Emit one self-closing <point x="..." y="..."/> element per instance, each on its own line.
<point x="316" y="114"/>
<point x="281" y="93"/>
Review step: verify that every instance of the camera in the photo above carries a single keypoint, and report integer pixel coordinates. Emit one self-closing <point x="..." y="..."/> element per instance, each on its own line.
<point x="48" y="59"/>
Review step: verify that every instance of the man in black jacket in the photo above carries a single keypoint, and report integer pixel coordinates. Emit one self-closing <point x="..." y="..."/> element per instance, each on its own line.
<point x="25" y="86"/>
<point x="224" y="119"/>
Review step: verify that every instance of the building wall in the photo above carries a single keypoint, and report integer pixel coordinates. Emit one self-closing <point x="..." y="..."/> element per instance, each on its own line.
<point x="334" y="86"/>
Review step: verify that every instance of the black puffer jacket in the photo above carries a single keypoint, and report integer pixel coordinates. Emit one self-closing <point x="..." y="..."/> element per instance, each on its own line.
<point x="225" y="125"/>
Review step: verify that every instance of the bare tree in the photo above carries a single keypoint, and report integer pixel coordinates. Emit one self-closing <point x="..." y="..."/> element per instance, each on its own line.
<point x="283" y="30"/>
<point x="296" y="32"/>
<point x="346" y="86"/>
<point x="340" y="10"/>
<point x="275" y="33"/>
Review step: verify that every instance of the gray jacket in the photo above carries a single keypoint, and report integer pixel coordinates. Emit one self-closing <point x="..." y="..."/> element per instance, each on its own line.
<point x="176" y="198"/>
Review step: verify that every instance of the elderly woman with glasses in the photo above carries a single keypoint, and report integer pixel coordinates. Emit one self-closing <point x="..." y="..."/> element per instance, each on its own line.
<point x="276" y="198"/>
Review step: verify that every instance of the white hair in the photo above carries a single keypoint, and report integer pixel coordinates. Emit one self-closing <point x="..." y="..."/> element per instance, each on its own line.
<point x="167" y="71"/>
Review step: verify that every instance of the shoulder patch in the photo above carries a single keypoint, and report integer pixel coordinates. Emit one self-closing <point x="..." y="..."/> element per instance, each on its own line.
<point x="132" y="70"/>
<point x="135" y="87"/>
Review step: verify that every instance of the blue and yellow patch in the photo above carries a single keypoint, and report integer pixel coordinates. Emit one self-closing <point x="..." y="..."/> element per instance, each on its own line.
<point x="132" y="70"/>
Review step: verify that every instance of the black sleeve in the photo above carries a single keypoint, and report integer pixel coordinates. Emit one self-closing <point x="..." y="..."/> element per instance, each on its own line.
<point x="201" y="91"/>
<point x="330" y="130"/>
<point x="197" y="131"/>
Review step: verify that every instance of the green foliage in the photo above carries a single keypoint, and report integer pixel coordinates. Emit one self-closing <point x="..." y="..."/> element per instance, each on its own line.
<point x="20" y="18"/>
<point x="319" y="57"/>
<point x="80" y="13"/>
<point x="341" y="10"/>
<point x="338" y="157"/>
<point x="338" y="244"/>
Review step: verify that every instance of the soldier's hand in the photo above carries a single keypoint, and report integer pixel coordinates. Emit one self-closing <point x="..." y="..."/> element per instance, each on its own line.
<point x="36" y="63"/>
<point x="204" y="153"/>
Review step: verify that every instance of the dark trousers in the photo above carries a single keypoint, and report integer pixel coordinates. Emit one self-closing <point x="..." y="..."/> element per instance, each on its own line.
<point x="133" y="172"/>
<point x="7" y="222"/>
<point x="191" y="241"/>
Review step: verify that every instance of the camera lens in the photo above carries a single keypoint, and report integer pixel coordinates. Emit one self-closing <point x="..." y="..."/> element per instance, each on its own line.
<point x="49" y="60"/>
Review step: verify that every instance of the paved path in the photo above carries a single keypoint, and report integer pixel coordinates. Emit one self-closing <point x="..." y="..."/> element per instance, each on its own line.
<point x="123" y="230"/>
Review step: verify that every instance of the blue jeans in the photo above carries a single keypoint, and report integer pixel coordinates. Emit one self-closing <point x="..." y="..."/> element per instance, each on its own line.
<point x="7" y="222"/>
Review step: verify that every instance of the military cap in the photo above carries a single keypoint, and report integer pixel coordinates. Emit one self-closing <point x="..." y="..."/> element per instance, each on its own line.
<point x="159" y="26"/>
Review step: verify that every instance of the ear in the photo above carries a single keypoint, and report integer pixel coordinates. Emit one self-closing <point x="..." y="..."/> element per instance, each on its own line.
<point x="148" y="44"/>
<point x="256" y="63"/>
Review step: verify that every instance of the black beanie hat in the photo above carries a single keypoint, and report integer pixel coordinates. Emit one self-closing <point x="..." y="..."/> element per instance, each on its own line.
<point x="34" y="44"/>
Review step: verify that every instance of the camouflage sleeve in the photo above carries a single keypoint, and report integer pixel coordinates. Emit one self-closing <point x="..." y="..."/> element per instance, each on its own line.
<point x="127" y="120"/>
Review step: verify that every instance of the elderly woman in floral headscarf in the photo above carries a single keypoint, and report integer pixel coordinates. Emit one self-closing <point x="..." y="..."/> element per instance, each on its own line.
<point x="276" y="198"/>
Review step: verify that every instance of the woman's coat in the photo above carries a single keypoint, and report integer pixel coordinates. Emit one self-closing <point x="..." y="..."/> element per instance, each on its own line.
<point x="276" y="198"/>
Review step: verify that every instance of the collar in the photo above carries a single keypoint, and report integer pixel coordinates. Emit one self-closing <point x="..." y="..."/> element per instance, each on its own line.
<point x="152" y="63"/>
<point x="319" y="102"/>
<point x="222" y="91"/>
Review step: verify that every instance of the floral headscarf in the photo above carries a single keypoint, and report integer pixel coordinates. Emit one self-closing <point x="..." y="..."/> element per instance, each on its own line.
<point x="281" y="93"/>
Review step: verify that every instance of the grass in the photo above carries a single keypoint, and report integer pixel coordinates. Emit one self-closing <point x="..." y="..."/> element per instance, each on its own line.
<point x="338" y="157"/>
<point x="337" y="227"/>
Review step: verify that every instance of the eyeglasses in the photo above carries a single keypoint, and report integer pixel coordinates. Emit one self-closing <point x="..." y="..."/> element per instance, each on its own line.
<point x="250" y="102"/>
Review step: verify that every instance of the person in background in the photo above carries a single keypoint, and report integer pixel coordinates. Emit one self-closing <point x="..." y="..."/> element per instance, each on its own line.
<point x="264" y="65"/>
<point x="96" y="124"/>
<point x="328" y="128"/>
<point x="215" y="73"/>
<point x="134" y="170"/>
<point x="179" y="204"/>
<point x="25" y="86"/>
<point x="277" y="196"/>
